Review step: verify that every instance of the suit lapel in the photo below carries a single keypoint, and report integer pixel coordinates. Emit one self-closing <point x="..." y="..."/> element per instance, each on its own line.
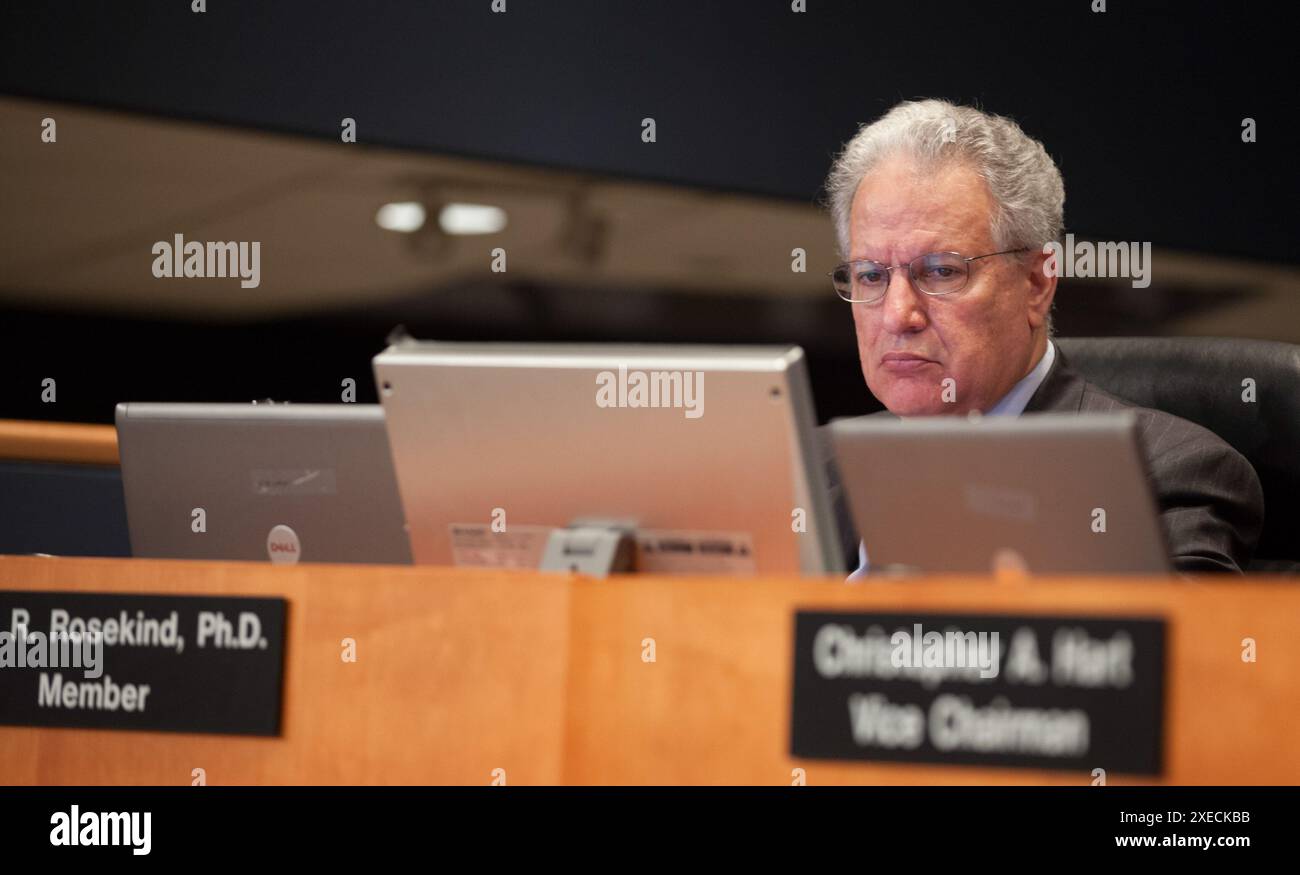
<point x="1061" y="390"/>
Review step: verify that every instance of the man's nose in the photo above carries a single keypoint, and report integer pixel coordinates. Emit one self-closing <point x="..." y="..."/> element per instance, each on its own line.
<point x="904" y="306"/>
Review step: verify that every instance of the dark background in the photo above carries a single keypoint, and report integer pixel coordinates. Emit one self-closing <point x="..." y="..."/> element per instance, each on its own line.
<point x="1141" y="106"/>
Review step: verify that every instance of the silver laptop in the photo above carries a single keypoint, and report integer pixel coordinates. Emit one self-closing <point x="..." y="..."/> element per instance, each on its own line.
<point x="1053" y="493"/>
<point x="277" y="482"/>
<point x="705" y="452"/>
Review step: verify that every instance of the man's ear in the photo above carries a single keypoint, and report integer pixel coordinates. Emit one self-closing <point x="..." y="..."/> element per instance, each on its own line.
<point x="1042" y="288"/>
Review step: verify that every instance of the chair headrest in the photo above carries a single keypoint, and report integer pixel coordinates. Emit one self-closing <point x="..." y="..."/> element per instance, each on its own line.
<point x="1245" y="391"/>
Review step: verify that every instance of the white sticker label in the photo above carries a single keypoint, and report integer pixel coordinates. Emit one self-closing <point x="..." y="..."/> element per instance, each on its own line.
<point x="475" y="545"/>
<point x="662" y="551"/>
<point x="659" y="551"/>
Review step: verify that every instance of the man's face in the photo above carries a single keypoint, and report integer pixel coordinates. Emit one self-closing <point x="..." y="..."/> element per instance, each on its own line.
<point x="985" y="337"/>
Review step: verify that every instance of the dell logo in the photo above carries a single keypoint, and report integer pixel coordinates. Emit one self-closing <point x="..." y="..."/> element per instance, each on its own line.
<point x="282" y="545"/>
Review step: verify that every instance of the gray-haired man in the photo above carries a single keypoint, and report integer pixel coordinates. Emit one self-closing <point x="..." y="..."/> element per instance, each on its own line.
<point x="943" y="213"/>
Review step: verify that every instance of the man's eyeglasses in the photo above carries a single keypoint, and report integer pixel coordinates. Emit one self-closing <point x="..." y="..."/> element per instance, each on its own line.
<point x="939" y="273"/>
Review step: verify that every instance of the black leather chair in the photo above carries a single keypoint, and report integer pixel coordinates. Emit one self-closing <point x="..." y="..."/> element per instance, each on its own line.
<point x="1200" y="379"/>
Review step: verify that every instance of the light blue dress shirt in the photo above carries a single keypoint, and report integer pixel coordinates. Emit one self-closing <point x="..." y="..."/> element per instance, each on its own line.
<point x="1012" y="404"/>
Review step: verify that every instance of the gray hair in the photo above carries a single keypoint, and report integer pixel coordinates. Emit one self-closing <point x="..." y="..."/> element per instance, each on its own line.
<point x="1025" y="184"/>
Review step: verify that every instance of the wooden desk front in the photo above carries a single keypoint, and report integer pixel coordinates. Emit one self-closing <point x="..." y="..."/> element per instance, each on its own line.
<point x="460" y="673"/>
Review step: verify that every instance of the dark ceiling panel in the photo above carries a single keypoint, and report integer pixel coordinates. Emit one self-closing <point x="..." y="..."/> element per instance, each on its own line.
<point x="1141" y="106"/>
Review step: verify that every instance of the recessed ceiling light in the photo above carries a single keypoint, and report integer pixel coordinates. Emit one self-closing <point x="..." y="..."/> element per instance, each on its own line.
<point x="471" y="219"/>
<point x="406" y="217"/>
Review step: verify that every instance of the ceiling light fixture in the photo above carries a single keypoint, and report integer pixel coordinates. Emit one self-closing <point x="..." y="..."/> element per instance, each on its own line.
<point x="471" y="219"/>
<point x="405" y="217"/>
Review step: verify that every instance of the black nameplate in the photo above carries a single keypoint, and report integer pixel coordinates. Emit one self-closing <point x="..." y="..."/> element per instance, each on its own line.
<point x="1063" y="692"/>
<point x="174" y="663"/>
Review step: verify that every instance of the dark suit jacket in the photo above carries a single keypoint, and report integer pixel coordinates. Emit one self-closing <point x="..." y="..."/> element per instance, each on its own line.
<point x="1210" y="501"/>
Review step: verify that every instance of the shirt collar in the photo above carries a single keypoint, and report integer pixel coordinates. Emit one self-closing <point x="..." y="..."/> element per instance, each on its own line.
<point x="1013" y="403"/>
